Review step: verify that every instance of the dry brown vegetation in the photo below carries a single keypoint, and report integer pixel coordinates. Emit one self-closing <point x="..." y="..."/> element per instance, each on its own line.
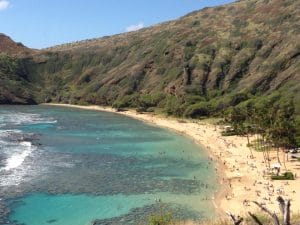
<point x="7" y="45"/>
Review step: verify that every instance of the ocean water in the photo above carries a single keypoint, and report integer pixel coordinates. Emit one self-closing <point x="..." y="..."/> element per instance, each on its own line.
<point x="66" y="166"/>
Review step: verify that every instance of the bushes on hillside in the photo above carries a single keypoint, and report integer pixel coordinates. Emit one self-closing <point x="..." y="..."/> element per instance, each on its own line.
<point x="142" y="102"/>
<point x="238" y="98"/>
<point x="173" y="105"/>
<point x="197" y="110"/>
<point x="8" y="65"/>
<point x="124" y="102"/>
<point x="150" y="100"/>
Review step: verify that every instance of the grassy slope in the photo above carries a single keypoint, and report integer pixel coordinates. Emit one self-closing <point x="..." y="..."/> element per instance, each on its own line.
<point x="197" y="65"/>
<point x="248" y="47"/>
<point x="15" y="88"/>
<point x="14" y="85"/>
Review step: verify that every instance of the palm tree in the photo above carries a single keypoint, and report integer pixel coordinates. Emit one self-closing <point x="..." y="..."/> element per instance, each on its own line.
<point x="284" y="130"/>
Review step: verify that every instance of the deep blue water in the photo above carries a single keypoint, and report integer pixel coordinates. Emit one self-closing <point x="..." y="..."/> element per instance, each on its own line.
<point x="66" y="166"/>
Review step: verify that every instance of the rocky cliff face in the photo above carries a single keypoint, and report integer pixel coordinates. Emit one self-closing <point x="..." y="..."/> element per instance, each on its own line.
<point x="197" y="65"/>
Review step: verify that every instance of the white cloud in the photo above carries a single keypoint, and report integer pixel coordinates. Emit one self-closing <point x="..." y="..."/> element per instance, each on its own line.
<point x="135" y="27"/>
<point x="4" y="4"/>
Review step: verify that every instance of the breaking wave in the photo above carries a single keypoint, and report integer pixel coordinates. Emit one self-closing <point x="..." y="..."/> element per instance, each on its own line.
<point x="19" y="118"/>
<point x="16" y="147"/>
<point x="17" y="159"/>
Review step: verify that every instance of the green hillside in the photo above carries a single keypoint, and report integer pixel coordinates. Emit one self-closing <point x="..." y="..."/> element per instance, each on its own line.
<point x="14" y="85"/>
<point x="236" y="55"/>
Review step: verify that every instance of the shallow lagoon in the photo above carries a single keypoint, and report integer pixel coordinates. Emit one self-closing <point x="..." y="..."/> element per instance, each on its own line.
<point x="85" y="165"/>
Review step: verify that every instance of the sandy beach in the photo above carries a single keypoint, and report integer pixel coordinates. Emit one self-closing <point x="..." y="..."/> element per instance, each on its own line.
<point x="241" y="176"/>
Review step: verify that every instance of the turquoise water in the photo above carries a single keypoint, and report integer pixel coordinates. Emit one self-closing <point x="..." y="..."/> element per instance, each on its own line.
<point x="86" y="208"/>
<point x="67" y="166"/>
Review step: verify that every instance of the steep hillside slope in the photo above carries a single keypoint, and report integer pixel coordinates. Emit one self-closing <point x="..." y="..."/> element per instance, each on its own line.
<point x="195" y="66"/>
<point x="221" y="55"/>
<point x="8" y="46"/>
<point x="15" y="87"/>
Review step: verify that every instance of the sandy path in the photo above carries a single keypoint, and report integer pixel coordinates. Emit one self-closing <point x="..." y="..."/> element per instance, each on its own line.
<point x="242" y="177"/>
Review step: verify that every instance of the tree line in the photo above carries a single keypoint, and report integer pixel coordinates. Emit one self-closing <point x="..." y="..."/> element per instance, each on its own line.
<point x="273" y="127"/>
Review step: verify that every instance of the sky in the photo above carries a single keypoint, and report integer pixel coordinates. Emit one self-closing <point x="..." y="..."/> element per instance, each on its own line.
<point x="44" y="23"/>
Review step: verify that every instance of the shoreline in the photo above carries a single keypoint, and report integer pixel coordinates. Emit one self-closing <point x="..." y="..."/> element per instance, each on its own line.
<point x="151" y="119"/>
<point x="240" y="176"/>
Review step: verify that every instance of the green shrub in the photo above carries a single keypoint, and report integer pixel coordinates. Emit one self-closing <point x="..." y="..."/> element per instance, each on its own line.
<point x="162" y="219"/>
<point x="161" y="70"/>
<point x="229" y="133"/>
<point x="239" y="23"/>
<point x="197" y="110"/>
<point x="141" y="109"/>
<point x="124" y="102"/>
<point x="285" y="176"/>
<point x="173" y="106"/>
<point x="150" y="100"/>
<point x="193" y="99"/>
<point x="189" y="50"/>
<point x="193" y="89"/>
<point x="8" y="65"/>
<point x="238" y="98"/>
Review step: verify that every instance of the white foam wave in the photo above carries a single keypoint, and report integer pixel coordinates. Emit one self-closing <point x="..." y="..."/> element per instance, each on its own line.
<point x="18" y="118"/>
<point x="6" y="133"/>
<point x="26" y="143"/>
<point x="13" y="170"/>
<point x="16" y="159"/>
